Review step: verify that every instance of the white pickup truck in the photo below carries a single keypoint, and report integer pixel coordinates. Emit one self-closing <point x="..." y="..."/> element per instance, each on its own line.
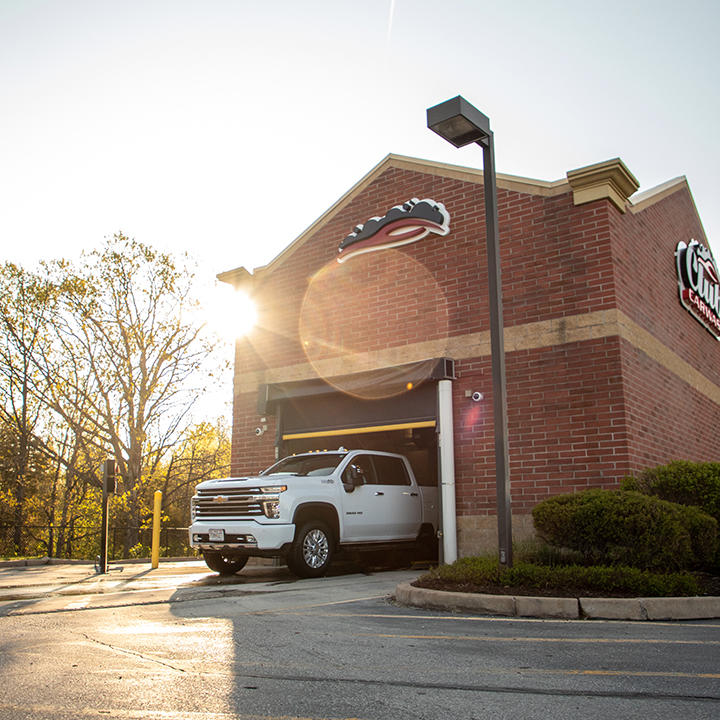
<point x="307" y="506"/>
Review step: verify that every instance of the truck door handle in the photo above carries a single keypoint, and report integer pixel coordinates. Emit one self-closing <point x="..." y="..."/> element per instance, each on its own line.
<point x="379" y="493"/>
<point x="411" y="494"/>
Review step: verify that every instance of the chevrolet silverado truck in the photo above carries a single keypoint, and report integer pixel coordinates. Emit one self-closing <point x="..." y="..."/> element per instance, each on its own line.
<point x="306" y="507"/>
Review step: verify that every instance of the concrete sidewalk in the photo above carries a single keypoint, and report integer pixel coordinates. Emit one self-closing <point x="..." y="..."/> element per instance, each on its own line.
<point x="27" y="580"/>
<point x="43" y="578"/>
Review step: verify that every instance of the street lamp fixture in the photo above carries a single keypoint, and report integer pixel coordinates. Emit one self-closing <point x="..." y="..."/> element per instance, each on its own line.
<point x="461" y="123"/>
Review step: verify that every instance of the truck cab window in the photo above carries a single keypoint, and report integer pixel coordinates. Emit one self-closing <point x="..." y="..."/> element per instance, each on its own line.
<point x="390" y="470"/>
<point x="360" y="471"/>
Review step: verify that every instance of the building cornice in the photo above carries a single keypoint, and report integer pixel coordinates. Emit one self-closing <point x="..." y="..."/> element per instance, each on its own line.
<point x="609" y="180"/>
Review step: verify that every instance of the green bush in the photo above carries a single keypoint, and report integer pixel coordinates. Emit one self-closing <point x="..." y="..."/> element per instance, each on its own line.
<point x="683" y="482"/>
<point x="485" y="572"/>
<point x="628" y="528"/>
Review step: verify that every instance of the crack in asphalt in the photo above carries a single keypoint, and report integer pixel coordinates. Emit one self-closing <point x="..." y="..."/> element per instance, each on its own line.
<point x="498" y="689"/>
<point x="134" y="653"/>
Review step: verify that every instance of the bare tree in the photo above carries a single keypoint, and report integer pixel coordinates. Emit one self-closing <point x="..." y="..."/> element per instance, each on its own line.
<point x="127" y="357"/>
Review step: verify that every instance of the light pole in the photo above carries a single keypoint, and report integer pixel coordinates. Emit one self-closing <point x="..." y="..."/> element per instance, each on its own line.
<point x="460" y="123"/>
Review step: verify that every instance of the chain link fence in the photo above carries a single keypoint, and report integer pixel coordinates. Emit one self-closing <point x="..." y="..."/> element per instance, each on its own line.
<point x="80" y="542"/>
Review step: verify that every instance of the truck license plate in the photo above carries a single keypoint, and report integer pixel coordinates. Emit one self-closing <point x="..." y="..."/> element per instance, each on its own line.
<point x="217" y="535"/>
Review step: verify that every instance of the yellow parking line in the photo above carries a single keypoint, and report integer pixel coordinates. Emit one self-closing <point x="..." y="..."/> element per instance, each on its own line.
<point x="501" y="619"/>
<point x="578" y="641"/>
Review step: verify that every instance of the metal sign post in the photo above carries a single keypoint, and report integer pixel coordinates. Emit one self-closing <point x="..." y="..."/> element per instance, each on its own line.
<point x="108" y="488"/>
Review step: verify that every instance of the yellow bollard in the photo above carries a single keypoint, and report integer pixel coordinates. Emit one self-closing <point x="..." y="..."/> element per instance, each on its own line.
<point x="156" y="530"/>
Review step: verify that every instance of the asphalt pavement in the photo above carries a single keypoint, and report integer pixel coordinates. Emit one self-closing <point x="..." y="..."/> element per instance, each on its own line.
<point x="180" y="642"/>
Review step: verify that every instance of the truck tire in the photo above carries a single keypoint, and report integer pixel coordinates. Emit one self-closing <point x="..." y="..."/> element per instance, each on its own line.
<point x="312" y="550"/>
<point x="224" y="564"/>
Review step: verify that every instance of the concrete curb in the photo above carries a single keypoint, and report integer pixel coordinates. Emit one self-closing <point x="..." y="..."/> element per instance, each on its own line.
<point x="37" y="562"/>
<point x="34" y="562"/>
<point x="675" y="608"/>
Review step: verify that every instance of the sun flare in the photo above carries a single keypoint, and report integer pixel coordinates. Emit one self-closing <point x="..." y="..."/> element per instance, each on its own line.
<point x="231" y="313"/>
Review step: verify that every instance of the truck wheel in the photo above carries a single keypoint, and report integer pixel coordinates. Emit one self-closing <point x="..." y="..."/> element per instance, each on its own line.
<point x="224" y="564"/>
<point x="312" y="550"/>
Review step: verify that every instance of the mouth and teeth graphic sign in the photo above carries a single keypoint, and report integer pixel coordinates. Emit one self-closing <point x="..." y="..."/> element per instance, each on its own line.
<point x="401" y="225"/>
<point x="699" y="284"/>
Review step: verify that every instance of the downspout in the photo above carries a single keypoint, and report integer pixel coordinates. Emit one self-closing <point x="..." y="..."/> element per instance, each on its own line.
<point x="446" y="446"/>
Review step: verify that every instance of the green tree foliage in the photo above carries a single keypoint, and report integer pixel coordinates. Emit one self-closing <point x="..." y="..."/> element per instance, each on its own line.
<point x="103" y="357"/>
<point x="26" y="302"/>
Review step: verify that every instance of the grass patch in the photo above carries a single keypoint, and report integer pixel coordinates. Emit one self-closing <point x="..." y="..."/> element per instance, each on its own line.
<point x="485" y="574"/>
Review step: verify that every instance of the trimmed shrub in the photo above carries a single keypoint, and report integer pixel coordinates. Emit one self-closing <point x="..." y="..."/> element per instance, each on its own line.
<point x="683" y="482"/>
<point x="628" y="528"/>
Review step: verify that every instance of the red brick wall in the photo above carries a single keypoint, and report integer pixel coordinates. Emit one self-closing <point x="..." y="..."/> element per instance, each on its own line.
<point x="555" y="259"/>
<point x="581" y="414"/>
<point x="251" y="453"/>
<point x="565" y="421"/>
<point x="666" y="418"/>
<point x="646" y="280"/>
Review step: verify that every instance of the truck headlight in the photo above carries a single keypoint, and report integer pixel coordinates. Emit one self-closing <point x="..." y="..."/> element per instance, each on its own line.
<point x="271" y="508"/>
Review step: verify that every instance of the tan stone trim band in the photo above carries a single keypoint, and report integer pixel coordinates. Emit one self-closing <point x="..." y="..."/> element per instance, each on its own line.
<point x="530" y="336"/>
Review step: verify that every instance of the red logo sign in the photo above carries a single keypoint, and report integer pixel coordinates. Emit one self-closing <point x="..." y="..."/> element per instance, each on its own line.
<point x="699" y="284"/>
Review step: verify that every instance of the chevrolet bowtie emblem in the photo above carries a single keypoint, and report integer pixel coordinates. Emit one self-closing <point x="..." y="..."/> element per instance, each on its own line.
<point x="220" y="498"/>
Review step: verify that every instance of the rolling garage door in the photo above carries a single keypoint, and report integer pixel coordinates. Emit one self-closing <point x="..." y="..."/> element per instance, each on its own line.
<point x="398" y="398"/>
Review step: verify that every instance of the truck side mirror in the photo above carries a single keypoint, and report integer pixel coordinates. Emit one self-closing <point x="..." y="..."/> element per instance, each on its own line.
<point x="352" y="478"/>
<point x="356" y="477"/>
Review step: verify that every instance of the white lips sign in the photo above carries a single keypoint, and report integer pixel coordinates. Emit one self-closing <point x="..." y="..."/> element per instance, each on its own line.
<point x="401" y="225"/>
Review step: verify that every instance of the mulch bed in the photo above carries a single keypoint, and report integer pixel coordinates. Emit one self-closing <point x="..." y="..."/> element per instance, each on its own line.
<point x="710" y="585"/>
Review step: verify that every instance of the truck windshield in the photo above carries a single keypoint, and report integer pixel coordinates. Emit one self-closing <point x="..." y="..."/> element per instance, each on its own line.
<point x="306" y="465"/>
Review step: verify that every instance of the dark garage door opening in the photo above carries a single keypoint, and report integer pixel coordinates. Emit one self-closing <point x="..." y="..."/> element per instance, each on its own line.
<point x="399" y="415"/>
<point x="417" y="444"/>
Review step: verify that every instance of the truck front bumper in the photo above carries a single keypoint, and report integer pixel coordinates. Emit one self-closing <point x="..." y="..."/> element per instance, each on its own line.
<point x="248" y="536"/>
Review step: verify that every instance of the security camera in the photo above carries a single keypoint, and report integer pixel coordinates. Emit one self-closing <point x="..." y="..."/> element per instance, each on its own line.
<point x="259" y="431"/>
<point x="477" y="396"/>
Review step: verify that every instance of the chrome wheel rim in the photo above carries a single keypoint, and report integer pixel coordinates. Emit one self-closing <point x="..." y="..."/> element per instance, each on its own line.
<point x="316" y="549"/>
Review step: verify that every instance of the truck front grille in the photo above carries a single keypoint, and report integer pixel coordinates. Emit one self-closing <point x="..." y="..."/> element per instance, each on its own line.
<point x="237" y="502"/>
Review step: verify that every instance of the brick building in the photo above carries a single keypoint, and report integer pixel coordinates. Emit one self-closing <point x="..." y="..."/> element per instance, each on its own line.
<point x="611" y="367"/>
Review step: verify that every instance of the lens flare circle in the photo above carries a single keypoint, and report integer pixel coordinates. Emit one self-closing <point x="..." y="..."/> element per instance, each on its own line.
<point x="354" y="313"/>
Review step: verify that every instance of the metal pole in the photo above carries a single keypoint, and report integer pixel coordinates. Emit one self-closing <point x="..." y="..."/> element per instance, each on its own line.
<point x="108" y="488"/>
<point x="102" y="566"/>
<point x="156" y="530"/>
<point x="497" y="350"/>
<point x="447" y="472"/>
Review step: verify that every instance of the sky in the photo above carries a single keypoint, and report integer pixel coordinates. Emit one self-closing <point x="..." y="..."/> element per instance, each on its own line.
<point x="224" y="128"/>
